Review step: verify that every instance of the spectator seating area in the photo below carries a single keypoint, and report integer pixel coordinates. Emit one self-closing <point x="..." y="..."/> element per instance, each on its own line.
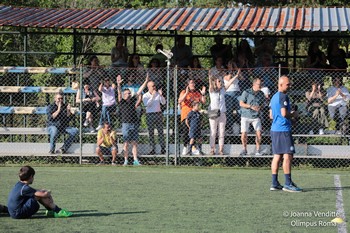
<point x="18" y="147"/>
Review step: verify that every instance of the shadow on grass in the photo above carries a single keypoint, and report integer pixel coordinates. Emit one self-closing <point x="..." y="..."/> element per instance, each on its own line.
<point x="85" y="213"/>
<point x="95" y="213"/>
<point x="320" y="189"/>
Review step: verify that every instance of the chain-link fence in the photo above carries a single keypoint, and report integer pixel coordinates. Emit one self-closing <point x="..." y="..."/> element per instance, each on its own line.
<point x="56" y="115"/>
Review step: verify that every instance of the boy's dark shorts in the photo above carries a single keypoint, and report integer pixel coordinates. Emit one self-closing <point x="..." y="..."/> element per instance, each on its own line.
<point x="29" y="208"/>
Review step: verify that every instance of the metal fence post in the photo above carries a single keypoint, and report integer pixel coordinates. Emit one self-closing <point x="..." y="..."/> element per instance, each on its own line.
<point x="175" y="115"/>
<point x="81" y="115"/>
<point x="167" y="111"/>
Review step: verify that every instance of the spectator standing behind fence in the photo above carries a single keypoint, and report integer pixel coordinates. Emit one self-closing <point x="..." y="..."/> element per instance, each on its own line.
<point x="58" y="117"/>
<point x="129" y="118"/>
<point x="316" y="61"/>
<point x="153" y="100"/>
<point x="108" y="102"/>
<point x="251" y="102"/>
<point x="182" y="52"/>
<point x="194" y="124"/>
<point x="23" y="200"/>
<point x="244" y="59"/>
<point x="94" y="73"/>
<point x="315" y="105"/>
<point x="281" y="137"/>
<point x="134" y="61"/>
<point x="106" y="143"/>
<point x="90" y="101"/>
<point x="132" y="84"/>
<point x="218" y="70"/>
<point x="155" y="73"/>
<point x="336" y="56"/>
<point x="264" y="47"/>
<point x="267" y="72"/>
<point x="244" y="55"/>
<point x="197" y="73"/>
<point x="221" y="50"/>
<point x="185" y="100"/>
<point x="159" y="56"/>
<point x="119" y="53"/>
<point x="217" y="101"/>
<point x="315" y="57"/>
<point x="232" y="95"/>
<point x="338" y="97"/>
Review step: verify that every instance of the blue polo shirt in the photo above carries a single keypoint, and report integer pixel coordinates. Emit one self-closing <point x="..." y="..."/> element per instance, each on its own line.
<point x="280" y="123"/>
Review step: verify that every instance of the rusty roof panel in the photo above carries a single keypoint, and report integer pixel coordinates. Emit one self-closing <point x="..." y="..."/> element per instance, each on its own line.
<point x="253" y="19"/>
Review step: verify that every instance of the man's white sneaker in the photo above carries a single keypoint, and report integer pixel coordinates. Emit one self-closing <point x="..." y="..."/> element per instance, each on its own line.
<point x="184" y="150"/>
<point x="195" y="151"/>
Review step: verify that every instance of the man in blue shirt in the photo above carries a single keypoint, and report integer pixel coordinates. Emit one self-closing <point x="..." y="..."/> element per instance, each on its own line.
<point x="281" y="136"/>
<point x="23" y="200"/>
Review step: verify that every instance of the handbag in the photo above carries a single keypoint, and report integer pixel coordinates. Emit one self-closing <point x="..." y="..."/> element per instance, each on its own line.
<point x="214" y="113"/>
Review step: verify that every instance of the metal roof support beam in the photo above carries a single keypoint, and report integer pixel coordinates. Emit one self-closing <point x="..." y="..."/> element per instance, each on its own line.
<point x="25" y="47"/>
<point x="75" y="48"/>
<point x="134" y="38"/>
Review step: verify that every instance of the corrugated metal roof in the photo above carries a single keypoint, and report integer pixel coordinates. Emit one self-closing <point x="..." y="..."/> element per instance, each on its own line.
<point x="254" y="19"/>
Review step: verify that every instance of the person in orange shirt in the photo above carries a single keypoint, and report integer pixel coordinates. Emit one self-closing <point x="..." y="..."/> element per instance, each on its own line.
<point x="186" y="98"/>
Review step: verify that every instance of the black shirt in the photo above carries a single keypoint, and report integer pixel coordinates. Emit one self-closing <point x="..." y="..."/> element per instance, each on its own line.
<point x="128" y="112"/>
<point x="62" y="120"/>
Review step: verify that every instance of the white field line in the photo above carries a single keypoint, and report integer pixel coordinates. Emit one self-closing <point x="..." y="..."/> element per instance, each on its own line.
<point x="339" y="204"/>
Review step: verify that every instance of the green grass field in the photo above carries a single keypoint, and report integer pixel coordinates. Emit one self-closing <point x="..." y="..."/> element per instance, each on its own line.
<point x="186" y="199"/>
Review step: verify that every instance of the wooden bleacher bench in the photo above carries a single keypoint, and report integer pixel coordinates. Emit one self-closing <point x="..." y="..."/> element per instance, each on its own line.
<point x="34" y="89"/>
<point x="10" y="89"/>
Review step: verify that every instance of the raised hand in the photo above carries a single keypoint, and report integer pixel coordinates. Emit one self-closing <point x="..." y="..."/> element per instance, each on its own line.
<point x="119" y="79"/>
<point x="160" y="91"/>
<point x="203" y="90"/>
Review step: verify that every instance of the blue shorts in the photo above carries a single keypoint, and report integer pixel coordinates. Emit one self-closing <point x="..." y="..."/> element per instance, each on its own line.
<point x="282" y="143"/>
<point x="130" y="132"/>
<point x="107" y="150"/>
<point x="195" y="133"/>
<point x="29" y="208"/>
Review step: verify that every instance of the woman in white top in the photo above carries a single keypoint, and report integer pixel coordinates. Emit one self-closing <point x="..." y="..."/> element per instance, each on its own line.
<point x="233" y="92"/>
<point x="217" y="101"/>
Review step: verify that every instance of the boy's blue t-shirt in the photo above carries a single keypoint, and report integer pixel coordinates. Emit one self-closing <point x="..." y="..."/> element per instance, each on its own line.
<point x="280" y="123"/>
<point x="20" y="193"/>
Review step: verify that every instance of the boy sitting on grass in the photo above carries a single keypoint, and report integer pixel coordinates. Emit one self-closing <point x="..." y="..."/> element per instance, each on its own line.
<point x="23" y="199"/>
<point x="194" y="123"/>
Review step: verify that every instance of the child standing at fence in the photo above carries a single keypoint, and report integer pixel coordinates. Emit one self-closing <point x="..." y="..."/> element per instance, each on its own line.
<point x="23" y="201"/>
<point x="194" y="123"/>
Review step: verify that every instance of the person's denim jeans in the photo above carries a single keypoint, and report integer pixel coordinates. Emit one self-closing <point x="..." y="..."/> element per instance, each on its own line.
<point x="155" y="120"/>
<point x="232" y="103"/>
<point x="105" y="114"/>
<point x="54" y="133"/>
